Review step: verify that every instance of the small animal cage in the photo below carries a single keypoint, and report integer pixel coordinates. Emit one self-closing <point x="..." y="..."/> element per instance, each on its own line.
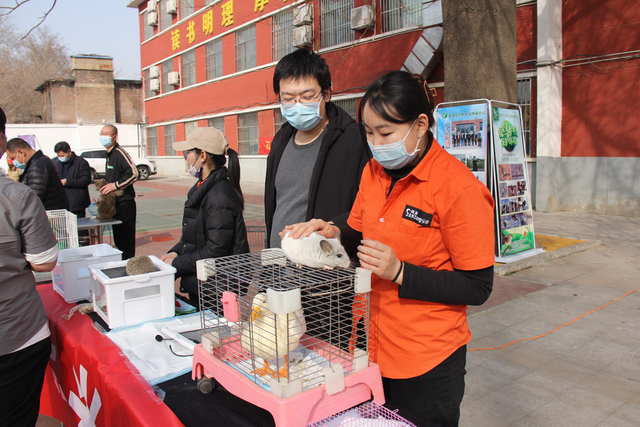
<point x="366" y="415"/>
<point x="65" y="227"/>
<point x="255" y="234"/>
<point x="290" y="339"/>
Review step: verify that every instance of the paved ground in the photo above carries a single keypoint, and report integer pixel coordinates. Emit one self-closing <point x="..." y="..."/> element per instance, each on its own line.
<point x="584" y="374"/>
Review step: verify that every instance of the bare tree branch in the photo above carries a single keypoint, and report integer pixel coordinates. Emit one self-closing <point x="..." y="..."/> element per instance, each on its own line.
<point x="10" y="9"/>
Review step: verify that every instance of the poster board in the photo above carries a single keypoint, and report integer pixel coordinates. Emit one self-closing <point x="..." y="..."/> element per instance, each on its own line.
<point x="463" y="132"/>
<point x="516" y="235"/>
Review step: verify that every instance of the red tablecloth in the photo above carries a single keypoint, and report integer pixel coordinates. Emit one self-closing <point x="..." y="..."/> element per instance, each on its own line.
<point x="89" y="381"/>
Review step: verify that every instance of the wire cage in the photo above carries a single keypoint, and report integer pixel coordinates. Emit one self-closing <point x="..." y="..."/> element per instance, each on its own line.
<point x="273" y="320"/>
<point x="369" y="414"/>
<point x="65" y="227"/>
<point x="255" y="234"/>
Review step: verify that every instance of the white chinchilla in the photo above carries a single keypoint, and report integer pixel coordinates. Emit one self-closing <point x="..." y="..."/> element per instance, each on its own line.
<point x="315" y="251"/>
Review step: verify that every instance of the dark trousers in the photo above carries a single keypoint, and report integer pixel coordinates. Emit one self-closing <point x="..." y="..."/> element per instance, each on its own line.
<point x="124" y="235"/>
<point x="21" y="379"/>
<point x="436" y="395"/>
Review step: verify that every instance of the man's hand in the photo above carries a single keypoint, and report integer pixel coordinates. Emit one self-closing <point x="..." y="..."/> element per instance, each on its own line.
<point x="380" y="259"/>
<point x="168" y="258"/>
<point x="108" y="188"/>
<point x="64" y="182"/>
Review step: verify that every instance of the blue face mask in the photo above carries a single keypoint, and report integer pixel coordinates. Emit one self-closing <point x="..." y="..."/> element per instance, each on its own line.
<point x="302" y="116"/>
<point x="63" y="159"/>
<point x="196" y="173"/>
<point x="19" y="165"/>
<point x="106" y="141"/>
<point x="394" y="156"/>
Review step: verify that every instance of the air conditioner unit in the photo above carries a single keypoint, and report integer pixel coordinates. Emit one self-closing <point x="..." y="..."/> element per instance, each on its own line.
<point x="152" y="19"/>
<point x="154" y="85"/>
<point x="152" y="5"/>
<point x="172" y="6"/>
<point x="302" y="14"/>
<point x="362" y="17"/>
<point x="302" y="36"/>
<point x="154" y="72"/>
<point x="173" y="78"/>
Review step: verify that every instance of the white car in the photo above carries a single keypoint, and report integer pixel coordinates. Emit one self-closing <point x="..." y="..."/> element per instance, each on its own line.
<point x="97" y="161"/>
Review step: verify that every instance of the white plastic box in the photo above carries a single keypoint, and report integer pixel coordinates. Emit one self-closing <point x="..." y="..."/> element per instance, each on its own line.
<point x="123" y="300"/>
<point x="71" y="277"/>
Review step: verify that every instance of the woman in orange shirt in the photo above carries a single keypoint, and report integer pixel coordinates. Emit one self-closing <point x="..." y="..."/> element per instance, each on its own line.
<point x="423" y="224"/>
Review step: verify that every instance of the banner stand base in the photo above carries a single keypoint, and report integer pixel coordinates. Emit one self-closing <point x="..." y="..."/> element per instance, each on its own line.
<point x="517" y="257"/>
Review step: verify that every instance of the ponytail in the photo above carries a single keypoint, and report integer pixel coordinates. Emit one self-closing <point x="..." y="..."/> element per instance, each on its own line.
<point x="234" y="173"/>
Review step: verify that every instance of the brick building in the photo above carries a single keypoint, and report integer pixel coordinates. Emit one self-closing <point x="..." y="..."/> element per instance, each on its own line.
<point x="92" y="95"/>
<point x="211" y="62"/>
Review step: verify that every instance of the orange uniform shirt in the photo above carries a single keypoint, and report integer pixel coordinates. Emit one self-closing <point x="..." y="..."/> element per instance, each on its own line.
<point x="440" y="217"/>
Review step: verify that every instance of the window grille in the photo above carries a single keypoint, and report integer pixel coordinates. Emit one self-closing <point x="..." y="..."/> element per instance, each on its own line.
<point x="189" y="68"/>
<point x="281" y="32"/>
<point x="248" y="133"/>
<point x="147" y="32"/>
<point x="246" y="48"/>
<point x="524" y="100"/>
<point x="147" y="82"/>
<point x="165" y="18"/>
<point x="169" y="139"/>
<point x="189" y="127"/>
<point x="218" y="123"/>
<point x="348" y="105"/>
<point x="213" y="58"/>
<point x="167" y="67"/>
<point x="152" y="141"/>
<point x="186" y="8"/>
<point x="398" y="14"/>
<point x="335" y="22"/>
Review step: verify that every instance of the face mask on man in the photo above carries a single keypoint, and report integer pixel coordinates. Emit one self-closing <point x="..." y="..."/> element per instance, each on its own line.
<point x="63" y="159"/>
<point x="394" y="156"/>
<point x="17" y="163"/>
<point x="106" y="141"/>
<point x="302" y="116"/>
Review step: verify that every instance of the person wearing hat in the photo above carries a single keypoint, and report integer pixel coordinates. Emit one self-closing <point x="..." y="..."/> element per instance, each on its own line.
<point x="213" y="224"/>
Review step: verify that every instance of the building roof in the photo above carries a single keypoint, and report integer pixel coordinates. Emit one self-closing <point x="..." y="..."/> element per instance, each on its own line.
<point x="135" y="3"/>
<point x="43" y="86"/>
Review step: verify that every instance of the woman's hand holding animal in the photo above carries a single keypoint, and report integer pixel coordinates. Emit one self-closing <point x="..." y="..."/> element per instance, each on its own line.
<point x="168" y="258"/>
<point x="304" y="229"/>
<point x="380" y="259"/>
<point x="108" y="188"/>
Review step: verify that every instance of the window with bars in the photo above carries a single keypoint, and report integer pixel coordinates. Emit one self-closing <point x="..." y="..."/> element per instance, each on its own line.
<point x="348" y="105"/>
<point x="169" y="139"/>
<point x="147" y="31"/>
<point x="398" y="14"/>
<point x="152" y="141"/>
<point x="167" y="67"/>
<point x="335" y="22"/>
<point x="246" y="48"/>
<point x="248" y="133"/>
<point x="524" y="100"/>
<point x="189" y="68"/>
<point x="186" y="8"/>
<point x="213" y="59"/>
<point x="189" y="127"/>
<point x="147" y="82"/>
<point x="281" y="32"/>
<point x="165" y="18"/>
<point x="278" y="120"/>
<point x="218" y="123"/>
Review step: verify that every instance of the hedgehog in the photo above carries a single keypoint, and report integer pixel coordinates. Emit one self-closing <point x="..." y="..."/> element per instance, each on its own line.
<point x="107" y="205"/>
<point x="140" y="264"/>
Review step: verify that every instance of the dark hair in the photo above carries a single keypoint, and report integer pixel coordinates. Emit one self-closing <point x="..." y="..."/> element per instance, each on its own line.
<point x="399" y="97"/>
<point x="62" y="146"/>
<point x="3" y="122"/>
<point x="233" y="174"/>
<point x="15" y="144"/>
<point x="299" y="64"/>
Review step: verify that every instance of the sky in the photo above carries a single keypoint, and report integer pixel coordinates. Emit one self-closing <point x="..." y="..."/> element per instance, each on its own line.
<point x="103" y="27"/>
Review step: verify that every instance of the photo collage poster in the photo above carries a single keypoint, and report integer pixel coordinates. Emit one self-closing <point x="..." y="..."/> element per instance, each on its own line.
<point x="514" y="201"/>
<point x="462" y="131"/>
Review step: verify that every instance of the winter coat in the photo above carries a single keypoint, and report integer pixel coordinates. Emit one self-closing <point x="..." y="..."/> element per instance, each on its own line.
<point x="41" y="176"/>
<point x="336" y="174"/>
<point x="78" y="176"/>
<point x="212" y="226"/>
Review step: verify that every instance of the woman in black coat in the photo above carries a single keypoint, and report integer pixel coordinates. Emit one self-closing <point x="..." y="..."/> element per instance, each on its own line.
<point x="213" y="224"/>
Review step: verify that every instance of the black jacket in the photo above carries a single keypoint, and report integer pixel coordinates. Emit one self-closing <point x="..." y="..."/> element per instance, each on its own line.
<point x="121" y="170"/>
<point x="336" y="175"/>
<point x="212" y="226"/>
<point x="78" y="175"/>
<point x="41" y="176"/>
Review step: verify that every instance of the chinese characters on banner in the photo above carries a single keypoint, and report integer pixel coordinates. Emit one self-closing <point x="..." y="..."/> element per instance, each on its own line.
<point x="462" y="131"/>
<point x="264" y="145"/>
<point x="513" y="202"/>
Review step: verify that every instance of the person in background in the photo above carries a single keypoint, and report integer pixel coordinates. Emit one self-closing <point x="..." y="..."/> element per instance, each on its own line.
<point x="213" y="224"/>
<point x="75" y="176"/>
<point x="28" y="245"/>
<point x="38" y="173"/>
<point x="121" y="173"/>
<point x="423" y="224"/>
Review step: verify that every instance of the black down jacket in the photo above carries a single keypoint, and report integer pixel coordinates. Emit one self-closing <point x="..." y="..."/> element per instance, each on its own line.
<point x="41" y="176"/>
<point x="78" y="180"/>
<point x="212" y="226"/>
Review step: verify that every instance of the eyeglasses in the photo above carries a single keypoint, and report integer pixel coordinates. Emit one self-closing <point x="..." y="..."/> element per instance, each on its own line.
<point x="186" y="153"/>
<point x="301" y="100"/>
